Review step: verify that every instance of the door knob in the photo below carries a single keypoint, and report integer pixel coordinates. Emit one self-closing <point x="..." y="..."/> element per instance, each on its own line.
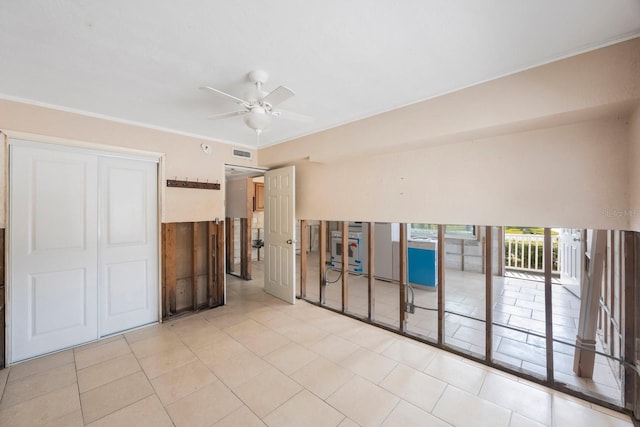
<point x="289" y="241"/>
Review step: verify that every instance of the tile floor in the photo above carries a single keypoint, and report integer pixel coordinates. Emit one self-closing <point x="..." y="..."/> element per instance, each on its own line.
<point x="518" y="303"/>
<point x="258" y="361"/>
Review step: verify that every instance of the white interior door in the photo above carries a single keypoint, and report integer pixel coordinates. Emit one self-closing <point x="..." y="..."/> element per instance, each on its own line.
<point x="571" y="251"/>
<point x="279" y="220"/>
<point x="53" y="250"/>
<point x="128" y="265"/>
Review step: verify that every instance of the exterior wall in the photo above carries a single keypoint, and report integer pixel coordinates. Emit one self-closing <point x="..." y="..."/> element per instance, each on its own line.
<point x="183" y="157"/>
<point x="546" y="147"/>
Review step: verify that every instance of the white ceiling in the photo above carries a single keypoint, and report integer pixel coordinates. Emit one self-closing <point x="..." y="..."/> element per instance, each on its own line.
<point x="143" y="61"/>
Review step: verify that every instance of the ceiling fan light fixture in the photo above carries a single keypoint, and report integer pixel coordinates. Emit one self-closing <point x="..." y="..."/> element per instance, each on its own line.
<point x="257" y="119"/>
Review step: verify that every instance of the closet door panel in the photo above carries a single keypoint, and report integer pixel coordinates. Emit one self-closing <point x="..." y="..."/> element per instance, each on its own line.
<point x="53" y="247"/>
<point x="128" y="245"/>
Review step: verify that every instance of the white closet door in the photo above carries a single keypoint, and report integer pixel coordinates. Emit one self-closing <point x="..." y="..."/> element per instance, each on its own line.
<point x="128" y="244"/>
<point x="53" y="250"/>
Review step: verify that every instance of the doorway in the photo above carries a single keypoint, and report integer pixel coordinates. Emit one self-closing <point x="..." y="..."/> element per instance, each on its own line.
<point x="244" y="223"/>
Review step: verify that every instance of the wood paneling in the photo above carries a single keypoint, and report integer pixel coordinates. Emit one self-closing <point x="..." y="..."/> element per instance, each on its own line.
<point x="259" y="197"/>
<point x="548" y="308"/>
<point x="322" y="259"/>
<point x="230" y="244"/>
<point x="245" y="248"/>
<point x="304" y="243"/>
<point x="371" y="252"/>
<point x="402" y="291"/>
<point x="2" y="308"/>
<point x="488" y="293"/>
<point x="169" y="269"/>
<point x="345" y="266"/>
<point x="193" y="266"/>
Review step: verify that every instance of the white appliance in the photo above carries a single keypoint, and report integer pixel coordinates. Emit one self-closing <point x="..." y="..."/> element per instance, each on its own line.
<point x="356" y="251"/>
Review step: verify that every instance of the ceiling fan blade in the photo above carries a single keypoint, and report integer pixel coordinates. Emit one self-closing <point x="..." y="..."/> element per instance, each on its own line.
<point x="225" y="115"/>
<point x="235" y="98"/>
<point x="292" y="116"/>
<point x="278" y="95"/>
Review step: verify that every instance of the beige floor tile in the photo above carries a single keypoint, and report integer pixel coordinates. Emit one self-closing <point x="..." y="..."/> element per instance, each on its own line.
<point x="147" y="412"/>
<point x="334" y="348"/>
<point x="363" y="402"/>
<point x="568" y="413"/>
<point x="187" y="324"/>
<point x="239" y="369"/>
<point x="35" y="385"/>
<point x="246" y="329"/>
<point x="73" y="419"/>
<point x="41" y="364"/>
<point x="518" y="420"/>
<point x="262" y="315"/>
<point x="304" y="409"/>
<point x="42" y="409"/>
<point x="116" y="395"/>
<point x="456" y="372"/>
<point x="101" y="353"/>
<point x="265" y="343"/>
<point x="224" y="320"/>
<point x="156" y="344"/>
<point x="146" y="332"/>
<point x="163" y="362"/>
<point x="347" y="422"/>
<point x="530" y="402"/>
<point x="240" y="417"/>
<point x="4" y="375"/>
<point x="463" y="409"/>
<point x="267" y="391"/>
<point x="105" y="372"/>
<point x="610" y="412"/>
<point x="303" y="334"/>
<point x="224" y="348"/>
<point x="205" y="406"/>
<point x="369" y="365"/>
<point x="290" y="357"/>
<point x="411" y="354"/>
<point x="374" y="339"/>
<point x="408" y="415"/>
<point x="322" y="377"/>
<point x="97" y="343"/>
<point x="336" y="323"/>
<point x="202" y="337"/>
<point x="182" y="381"/>
<point x="414" y="386"/>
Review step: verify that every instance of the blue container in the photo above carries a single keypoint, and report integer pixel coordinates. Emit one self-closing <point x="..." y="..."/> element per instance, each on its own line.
<point x="422" y="266"/>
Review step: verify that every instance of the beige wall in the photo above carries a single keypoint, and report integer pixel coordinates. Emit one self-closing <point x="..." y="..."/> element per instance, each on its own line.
<point x="183" y="157"/>
<point x="634" y="172"/>
<point x="237" y="198"/>
<point x="563" y="176"/>
<point x="546" y="147"/>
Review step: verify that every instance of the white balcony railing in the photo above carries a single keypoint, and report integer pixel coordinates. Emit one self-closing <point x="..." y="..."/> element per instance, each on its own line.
<point x="525" y="252"/>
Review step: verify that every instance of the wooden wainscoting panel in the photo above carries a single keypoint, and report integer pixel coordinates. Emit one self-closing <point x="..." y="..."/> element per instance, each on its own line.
<point x="2" y="308"/>
<point x="168" y="269"/>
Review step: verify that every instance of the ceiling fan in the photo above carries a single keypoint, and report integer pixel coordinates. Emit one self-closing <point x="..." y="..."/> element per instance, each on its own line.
<point x="259" y="106"/>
